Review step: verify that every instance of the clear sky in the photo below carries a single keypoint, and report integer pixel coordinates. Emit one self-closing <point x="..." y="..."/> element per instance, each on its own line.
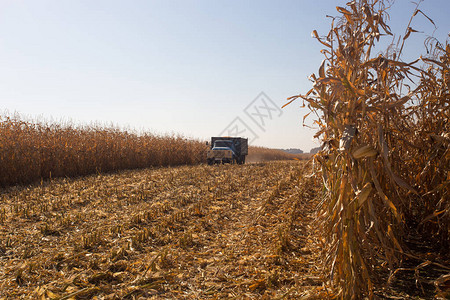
<point x="185" y="67"/>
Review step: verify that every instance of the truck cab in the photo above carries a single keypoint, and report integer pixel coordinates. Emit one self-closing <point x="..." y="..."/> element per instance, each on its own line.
<point x="227" y="150"/>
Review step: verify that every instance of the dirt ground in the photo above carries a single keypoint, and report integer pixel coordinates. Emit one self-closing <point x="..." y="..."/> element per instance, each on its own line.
<point x="202" y="232"/>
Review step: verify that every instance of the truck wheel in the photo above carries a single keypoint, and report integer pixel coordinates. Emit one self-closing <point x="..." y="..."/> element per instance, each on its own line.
<point x="210" y="162"/>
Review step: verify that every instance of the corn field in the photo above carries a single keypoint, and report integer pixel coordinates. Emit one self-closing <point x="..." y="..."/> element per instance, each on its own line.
<point x="385" y="159"/>
<point x="260" y="154"/>
<point x="31" y="151"/>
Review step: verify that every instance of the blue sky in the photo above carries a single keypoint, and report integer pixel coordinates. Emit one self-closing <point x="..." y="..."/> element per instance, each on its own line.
<point x="184" y="67"/>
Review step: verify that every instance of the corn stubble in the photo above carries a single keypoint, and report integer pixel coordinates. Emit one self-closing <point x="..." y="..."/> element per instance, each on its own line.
<point x="189" y="232"/>
<point x="385" y="159"/>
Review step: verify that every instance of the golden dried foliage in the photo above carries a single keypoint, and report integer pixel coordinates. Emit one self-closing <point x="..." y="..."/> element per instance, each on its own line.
<point x="31" y="151"/>
<point x="385" y="159"/>
<point x="260" y="154"/>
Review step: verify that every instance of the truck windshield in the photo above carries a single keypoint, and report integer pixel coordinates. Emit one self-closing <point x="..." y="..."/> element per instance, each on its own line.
<point x="227" y="144"/>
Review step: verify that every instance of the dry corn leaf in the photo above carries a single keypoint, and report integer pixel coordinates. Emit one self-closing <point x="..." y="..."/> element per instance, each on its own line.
<point x="364" y="151"/>
<point x="364" y="193"/>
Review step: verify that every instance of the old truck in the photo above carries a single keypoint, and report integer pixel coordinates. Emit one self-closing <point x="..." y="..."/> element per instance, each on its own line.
<point x="227" y="150"/>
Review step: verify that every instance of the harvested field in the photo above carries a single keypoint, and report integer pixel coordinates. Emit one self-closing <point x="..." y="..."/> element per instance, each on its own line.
<point x="185" y="232"/>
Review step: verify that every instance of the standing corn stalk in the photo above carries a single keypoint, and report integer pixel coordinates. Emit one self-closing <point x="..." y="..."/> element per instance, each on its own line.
<point x="385" y="158"/>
